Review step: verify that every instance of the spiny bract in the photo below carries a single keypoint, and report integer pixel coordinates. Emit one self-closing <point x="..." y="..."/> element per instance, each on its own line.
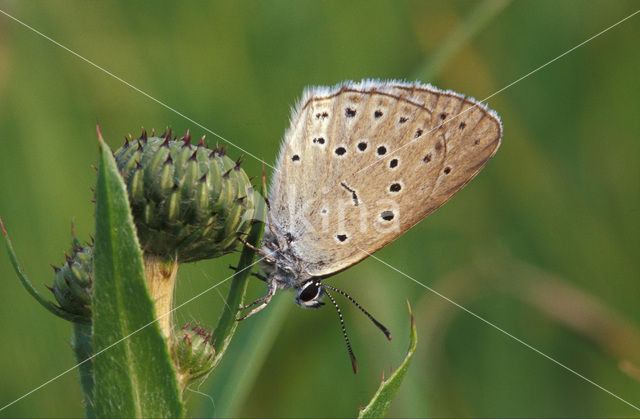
<point x="73" y="281"/>
<point x="187" y="201"/>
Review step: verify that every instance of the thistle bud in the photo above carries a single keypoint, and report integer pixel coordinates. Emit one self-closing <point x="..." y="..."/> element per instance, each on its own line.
<point x="192" y="353"/>
<point x="73" y="281"/>
<point x="188" y="202"/>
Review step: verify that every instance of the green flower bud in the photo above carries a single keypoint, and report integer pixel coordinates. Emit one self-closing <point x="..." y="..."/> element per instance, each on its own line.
<point x="192" y="353"/>
<point x="187" y="201"/>
<point x="73" y="281"/>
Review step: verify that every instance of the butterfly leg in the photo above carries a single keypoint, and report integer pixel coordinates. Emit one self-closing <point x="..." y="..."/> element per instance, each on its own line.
<point x="249" y="245"/>
<point x="260" y="277"/>
<point x="262" y="301"/>
<point x="261" y="252"/>
<point x="254" y="311"/>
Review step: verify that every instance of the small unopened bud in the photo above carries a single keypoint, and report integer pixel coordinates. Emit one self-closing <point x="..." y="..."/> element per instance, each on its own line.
<point x="192" y="353"/>
<point x="73" y="281"/>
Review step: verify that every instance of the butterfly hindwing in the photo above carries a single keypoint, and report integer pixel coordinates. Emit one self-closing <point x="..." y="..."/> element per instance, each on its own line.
<point x="363" y="163"/>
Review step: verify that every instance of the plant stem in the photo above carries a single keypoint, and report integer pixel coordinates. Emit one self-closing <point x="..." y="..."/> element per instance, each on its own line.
<point x="244" y="362"/>
<point x="161" y="280"/>
<point x="227" y="323"/>
<point x="83" y="349"/>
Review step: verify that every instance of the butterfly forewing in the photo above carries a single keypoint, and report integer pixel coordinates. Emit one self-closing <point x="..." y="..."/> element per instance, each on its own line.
<point x="363" y="163"/>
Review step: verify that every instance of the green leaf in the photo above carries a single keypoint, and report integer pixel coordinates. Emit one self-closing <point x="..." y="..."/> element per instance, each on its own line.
<point x="134" y="376"/>
<point x="381" y="401"/>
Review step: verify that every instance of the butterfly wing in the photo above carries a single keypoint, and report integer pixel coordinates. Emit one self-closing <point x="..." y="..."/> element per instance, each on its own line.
<point x="362" y="163"/>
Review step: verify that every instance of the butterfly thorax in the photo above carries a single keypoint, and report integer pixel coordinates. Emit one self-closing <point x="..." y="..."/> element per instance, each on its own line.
<point x="281" y="265"/>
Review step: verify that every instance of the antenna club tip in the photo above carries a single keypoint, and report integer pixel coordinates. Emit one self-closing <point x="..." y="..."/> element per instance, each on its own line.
<point x="354" y="364"/>
<point x="2" y="227"/>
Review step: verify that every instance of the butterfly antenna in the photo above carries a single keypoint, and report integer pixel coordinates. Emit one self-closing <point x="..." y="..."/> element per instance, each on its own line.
<point x="366" y="313"/>
<point x="354" y="363"/>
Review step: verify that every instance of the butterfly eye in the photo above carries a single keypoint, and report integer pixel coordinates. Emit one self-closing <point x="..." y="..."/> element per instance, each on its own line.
<point x="309" y="295"/>
<point x="309" y="292"/>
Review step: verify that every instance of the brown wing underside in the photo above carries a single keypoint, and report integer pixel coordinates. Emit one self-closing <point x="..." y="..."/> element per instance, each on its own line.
<point x="361" y="167"/>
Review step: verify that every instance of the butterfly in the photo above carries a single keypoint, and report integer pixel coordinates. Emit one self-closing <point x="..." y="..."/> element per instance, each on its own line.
<point x="360" y="164"/>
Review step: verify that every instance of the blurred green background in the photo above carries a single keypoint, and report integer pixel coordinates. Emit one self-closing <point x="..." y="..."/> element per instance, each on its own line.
<point x="543" y="243"/>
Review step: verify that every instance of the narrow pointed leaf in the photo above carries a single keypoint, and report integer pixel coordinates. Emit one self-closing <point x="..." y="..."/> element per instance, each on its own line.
<point x="134" y="376"/>
<point x="381" y="401"/>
